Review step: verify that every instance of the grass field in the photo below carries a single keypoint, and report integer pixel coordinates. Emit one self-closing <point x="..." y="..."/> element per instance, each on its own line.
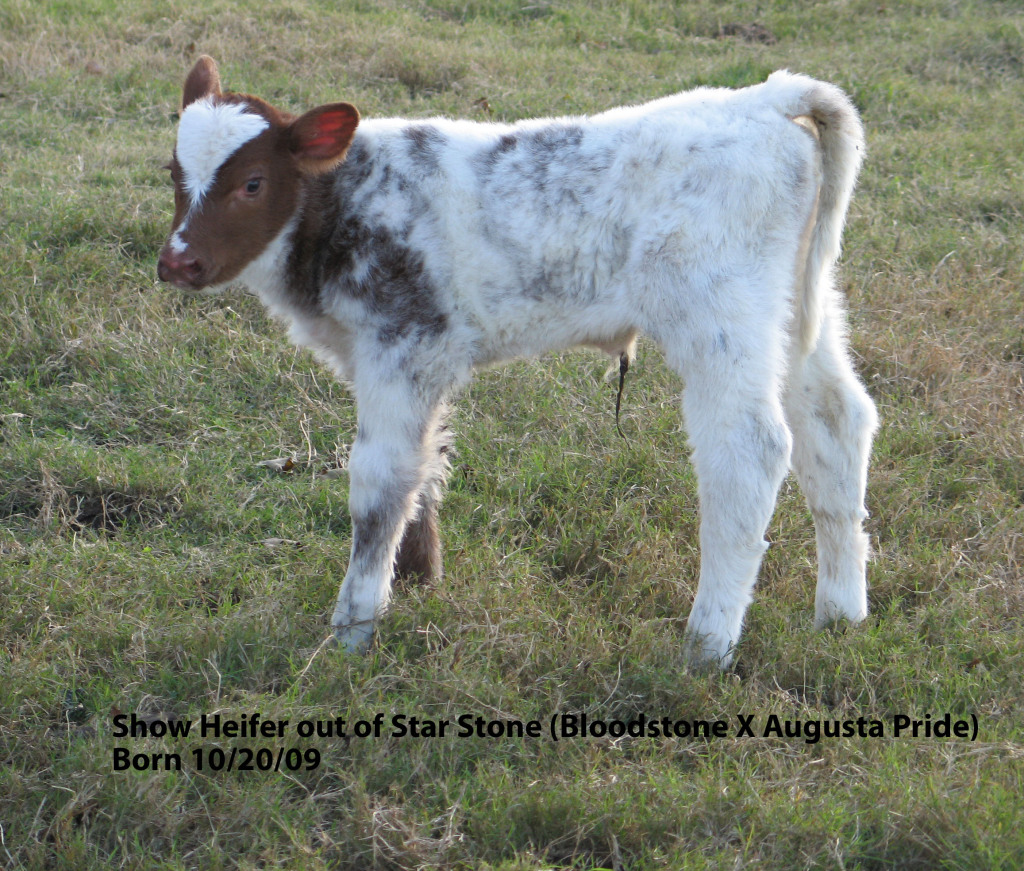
<point x="150" y="565"/>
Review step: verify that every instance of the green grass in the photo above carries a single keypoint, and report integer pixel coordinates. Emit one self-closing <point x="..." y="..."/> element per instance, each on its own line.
<point x="139" y="570"/>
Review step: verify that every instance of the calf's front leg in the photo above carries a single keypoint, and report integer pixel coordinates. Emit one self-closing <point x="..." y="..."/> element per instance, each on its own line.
<point x="393" y="488"/>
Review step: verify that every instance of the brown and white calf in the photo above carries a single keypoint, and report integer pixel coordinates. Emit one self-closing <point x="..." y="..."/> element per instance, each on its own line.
<point x="406" y="254"/>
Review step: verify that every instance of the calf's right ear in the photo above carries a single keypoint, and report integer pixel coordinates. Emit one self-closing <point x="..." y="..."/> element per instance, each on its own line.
<point x="320" y="138"/>
<point x="203" y="81"/>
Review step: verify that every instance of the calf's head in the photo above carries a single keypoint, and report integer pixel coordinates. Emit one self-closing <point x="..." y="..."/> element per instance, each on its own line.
<point x="238" y="170"/>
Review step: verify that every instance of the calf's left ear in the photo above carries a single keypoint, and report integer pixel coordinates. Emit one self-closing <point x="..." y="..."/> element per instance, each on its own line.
<point x="320" y="138"/>
<point x="203" y="81"/>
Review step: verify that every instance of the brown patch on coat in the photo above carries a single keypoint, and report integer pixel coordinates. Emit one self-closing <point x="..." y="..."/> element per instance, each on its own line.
<point x="419" y="555"/>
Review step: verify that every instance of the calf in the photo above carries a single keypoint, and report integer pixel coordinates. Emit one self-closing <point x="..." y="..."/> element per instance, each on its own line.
<point x="406" y="254"/>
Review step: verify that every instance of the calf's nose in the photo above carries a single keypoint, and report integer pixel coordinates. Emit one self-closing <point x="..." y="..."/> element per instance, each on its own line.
<point x="179" y="270"/>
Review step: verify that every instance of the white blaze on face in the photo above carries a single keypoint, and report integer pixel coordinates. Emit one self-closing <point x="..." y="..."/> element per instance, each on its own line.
<point x="208" y="134"/>
<point x="177" y="242"/>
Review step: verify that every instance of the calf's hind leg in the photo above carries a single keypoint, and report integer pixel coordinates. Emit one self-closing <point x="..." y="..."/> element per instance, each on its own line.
<point x="741" y="447"/>
<point x="833" y="420"/>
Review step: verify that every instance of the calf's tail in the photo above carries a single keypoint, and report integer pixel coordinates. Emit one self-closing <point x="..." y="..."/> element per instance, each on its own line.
<point x="829" y="115"/>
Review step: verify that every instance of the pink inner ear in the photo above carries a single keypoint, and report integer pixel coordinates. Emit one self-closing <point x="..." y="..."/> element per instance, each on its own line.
<point x="326" y="134"/>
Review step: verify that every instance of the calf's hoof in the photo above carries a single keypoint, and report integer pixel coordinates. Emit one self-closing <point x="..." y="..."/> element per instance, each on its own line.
<point x="354" y="637"/>
<point x="704" y="654"/>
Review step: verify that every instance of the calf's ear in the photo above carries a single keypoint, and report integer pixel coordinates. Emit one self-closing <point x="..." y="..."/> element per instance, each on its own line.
<point x="320" y="138"/>
<point x="203" y="81"/>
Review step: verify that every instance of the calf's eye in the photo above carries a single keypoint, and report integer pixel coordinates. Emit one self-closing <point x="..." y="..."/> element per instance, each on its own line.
<point x="253" y="186"/>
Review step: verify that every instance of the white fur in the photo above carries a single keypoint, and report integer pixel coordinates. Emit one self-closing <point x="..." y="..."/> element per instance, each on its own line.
<point x="177" y="241"/>
<point x="208" y="134"/>
<point x="708" y="220"/>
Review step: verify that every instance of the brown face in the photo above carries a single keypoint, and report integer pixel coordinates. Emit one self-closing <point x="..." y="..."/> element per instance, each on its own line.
<point x="221" y="226"/>
<point x="237" y="170"/>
